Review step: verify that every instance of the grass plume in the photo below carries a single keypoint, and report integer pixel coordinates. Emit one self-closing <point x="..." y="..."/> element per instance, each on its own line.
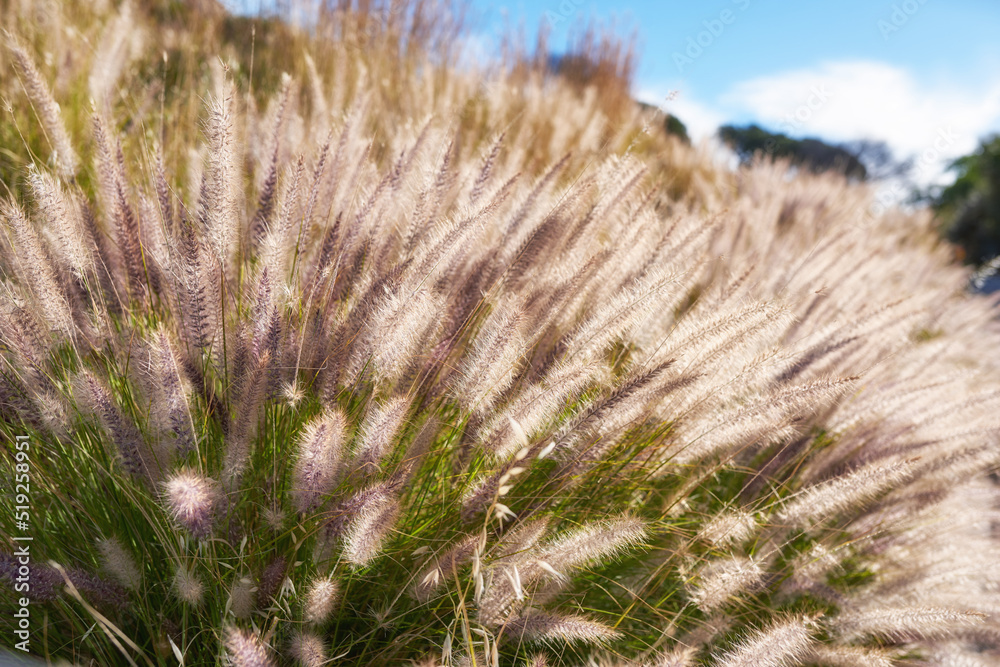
<point x="378" y="360"/>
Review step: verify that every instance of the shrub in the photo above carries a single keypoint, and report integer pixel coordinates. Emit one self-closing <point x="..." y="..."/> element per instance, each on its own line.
<point x="310" y="400"/>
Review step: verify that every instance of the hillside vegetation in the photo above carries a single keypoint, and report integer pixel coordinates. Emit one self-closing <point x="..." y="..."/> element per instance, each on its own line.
<point x="332" y="348"/>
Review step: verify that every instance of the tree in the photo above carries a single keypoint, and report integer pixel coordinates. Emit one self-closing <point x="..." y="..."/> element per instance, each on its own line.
<point x="671" y="123"/>
<point x="878" y="159"/>
<point x="969" y="208"/>
<point x="812" y="154"/>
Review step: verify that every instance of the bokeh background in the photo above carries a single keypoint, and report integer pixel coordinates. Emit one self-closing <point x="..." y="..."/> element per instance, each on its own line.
<point x="902" y="72"/>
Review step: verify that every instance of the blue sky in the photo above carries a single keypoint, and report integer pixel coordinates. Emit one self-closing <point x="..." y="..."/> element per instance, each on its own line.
<point x="924" y="76"/>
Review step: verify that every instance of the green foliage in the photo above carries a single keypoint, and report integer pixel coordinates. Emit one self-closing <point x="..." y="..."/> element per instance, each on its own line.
<point x="812" y="154"/>
<point x="673" y="125"/>
<point x="969" y="208"/>
<point x="383" y="361"/>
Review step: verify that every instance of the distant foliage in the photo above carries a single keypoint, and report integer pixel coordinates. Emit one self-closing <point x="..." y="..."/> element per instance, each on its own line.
<point x="969" y="208"/>
<point x="812" y="154"/>
<point x="672" y="125"/>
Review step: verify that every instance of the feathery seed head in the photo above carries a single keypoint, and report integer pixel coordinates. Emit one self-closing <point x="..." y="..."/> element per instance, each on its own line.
<point x="830" y="498"/>
<point x="721" y="580"/>
<point x="320" y="600"/>
<point x="41" y="96"/>
<point x="191" y="499"/>
<point x="849" y="656"/>
<point x="492" y="364"/>
<point x="218" y="206"/>
<point x="135" y="455"/>
<point x="32" y="264"/>
<point x="242" y="597"/>
<point x="320" y="448"/>
<point x="309" y="650"/>
<point x="905" y="623"/>
<point x="379" y="430"/>
<point x="782" y="644"/>
<point x="188" y="587"/>
<point x="369" y="529"/>
<point x="119" y="564"/>
<point x="730" y="527"/>
<point x="245" y="649"/>
<point x="594" y="543"/>
<point x="555" y="628"/>
<point x="64" y="221"/>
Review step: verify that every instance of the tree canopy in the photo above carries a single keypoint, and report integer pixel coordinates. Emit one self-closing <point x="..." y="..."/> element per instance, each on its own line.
<point x="812" y="154"/>
<point x="969" y="208"/>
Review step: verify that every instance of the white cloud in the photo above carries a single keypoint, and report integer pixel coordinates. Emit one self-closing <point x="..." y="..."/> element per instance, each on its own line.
<point x="701" y="120"/>
<point x="477" y="49"/>
<point x="844" y="100"/>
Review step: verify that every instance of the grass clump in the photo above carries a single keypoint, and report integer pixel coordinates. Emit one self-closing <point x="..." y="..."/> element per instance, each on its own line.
<point x="340" y="373"/>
